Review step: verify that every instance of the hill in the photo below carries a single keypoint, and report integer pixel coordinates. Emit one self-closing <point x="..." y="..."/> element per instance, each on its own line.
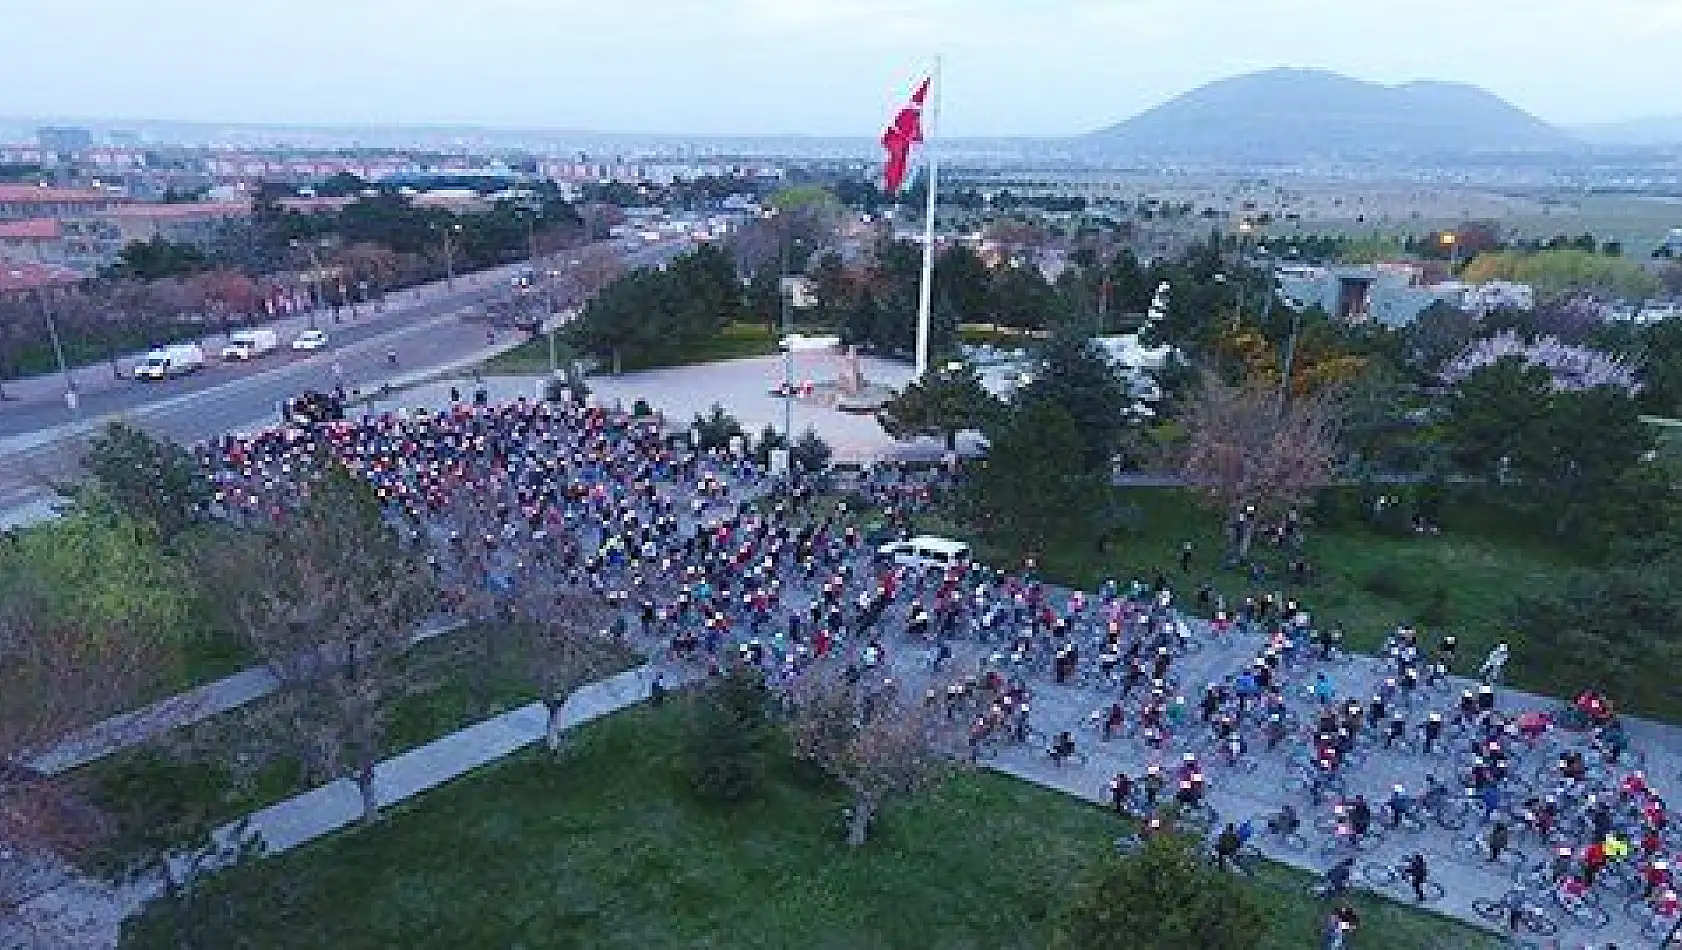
<point x="1292" y="115"/>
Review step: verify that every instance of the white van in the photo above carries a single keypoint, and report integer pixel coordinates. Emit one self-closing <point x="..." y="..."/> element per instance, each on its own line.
<point x="168" y="361"/>
<point x="925" y="551"/>
<point x="250" y="344"/>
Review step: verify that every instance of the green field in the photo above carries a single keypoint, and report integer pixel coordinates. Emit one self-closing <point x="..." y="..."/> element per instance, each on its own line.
<point x="736" y="341"/>
<point x="1461" y="581"/>
<point x="604" y="847"/>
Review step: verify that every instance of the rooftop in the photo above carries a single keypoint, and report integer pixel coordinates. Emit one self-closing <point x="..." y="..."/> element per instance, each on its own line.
<point x="25" y="193"/>
<point x="185" y="210"/>
<point x="21" y="277"/>
<point x="30" y="229"/>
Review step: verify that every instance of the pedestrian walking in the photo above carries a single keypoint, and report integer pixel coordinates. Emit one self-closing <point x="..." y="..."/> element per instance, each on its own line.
<point x="1498" y="841"/>
<point x="1494" y="664"/>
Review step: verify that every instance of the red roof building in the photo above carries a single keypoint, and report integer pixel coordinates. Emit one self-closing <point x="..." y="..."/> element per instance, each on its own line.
<point x="22" y="278"/>
<point x="18" y="202"/>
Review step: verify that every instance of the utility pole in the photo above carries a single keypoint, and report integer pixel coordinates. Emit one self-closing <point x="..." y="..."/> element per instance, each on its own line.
<point x="788" y="344"/>
<point x="71" y="398"/>
<point x="1290" y="360"/>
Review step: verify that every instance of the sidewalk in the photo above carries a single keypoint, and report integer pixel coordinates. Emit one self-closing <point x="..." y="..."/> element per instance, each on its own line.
<point x="84" y="914"/>
<point x="130" y="729"/>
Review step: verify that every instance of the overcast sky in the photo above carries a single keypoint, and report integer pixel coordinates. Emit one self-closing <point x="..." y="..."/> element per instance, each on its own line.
<point x="1022" y="67"/>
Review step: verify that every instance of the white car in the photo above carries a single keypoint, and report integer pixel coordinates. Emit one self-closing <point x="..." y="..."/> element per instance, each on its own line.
<point x="310" y="340"/>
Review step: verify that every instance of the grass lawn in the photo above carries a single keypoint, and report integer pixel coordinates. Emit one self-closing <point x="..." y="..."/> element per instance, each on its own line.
<point x="736" y="341"/>
<point x="605" y="848"/>
<point x="240" y="761"/>
<point x="1460" y="581"/>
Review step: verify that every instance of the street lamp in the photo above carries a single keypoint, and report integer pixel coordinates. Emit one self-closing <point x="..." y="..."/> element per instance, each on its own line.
<point x="316" y="276"/>
<point x="1451" y="242"/>
<point x="449" y="253"/>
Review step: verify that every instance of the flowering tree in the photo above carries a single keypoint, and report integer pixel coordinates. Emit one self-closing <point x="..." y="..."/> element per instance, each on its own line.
<point x="1255" y="457"/>
<point x="1571" y="368"/>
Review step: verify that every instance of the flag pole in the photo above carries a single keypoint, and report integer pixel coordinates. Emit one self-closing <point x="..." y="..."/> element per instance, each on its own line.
<point x="926" y="289"/>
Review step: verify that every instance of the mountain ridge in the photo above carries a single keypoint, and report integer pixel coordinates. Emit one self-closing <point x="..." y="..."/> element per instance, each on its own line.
<point x="1296" y="114"/>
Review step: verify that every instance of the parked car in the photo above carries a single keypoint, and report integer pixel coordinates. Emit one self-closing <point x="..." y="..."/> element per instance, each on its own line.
<point x="924" y="551"/>
<point x="310" y="340"/>
<point x="167" y="362"/>
<point x="250" y="344"/>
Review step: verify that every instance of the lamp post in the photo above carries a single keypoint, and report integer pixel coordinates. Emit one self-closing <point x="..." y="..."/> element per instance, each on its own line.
<point x="316" y="275"/>
<point x="449" y="254"/>
<point x="1451" y="241"/>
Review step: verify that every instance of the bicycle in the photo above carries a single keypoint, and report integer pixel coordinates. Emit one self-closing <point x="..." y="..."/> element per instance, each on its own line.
<point x="1516" y="912"/>
<point x="1291" y="840"/>
<point x="1073" y="756"/>
<point x="1653" y="925"/>
<point x="1477" y="846"/>
<point x="1394" y="875"/>
<point x="1583" y="911"/>
<point x="1401" y="819"/>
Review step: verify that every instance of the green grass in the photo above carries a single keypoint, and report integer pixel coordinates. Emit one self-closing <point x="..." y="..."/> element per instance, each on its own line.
<point x="1461" y="581"/>
<point x="736" y="341"/>
<point x="605" y="848"/>
<point x="238" y="762"/>
<point x="530" y="358"/>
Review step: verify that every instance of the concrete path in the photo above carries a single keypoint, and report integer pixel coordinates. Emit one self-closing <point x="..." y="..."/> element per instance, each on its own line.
<point x="130" y="729"/>
<point x="86" y="914"/>
<point x="1237" y="796"/>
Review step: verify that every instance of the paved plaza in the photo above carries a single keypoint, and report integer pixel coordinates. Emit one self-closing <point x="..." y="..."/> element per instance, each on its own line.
<point x="743" y="387"/>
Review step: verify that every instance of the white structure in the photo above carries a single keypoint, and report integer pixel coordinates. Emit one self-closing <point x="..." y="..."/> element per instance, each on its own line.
<point x="1483" y="299"/>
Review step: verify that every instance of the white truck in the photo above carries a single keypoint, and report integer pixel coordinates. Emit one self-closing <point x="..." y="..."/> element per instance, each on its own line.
<point x="250" y="344"/>
<point x="166" y="362"/>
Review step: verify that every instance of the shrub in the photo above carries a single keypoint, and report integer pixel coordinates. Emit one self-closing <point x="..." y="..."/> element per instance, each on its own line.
<point x="723" y="760"/>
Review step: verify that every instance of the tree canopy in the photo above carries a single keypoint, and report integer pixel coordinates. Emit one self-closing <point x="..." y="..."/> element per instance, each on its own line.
<point x="1166" y="897"/>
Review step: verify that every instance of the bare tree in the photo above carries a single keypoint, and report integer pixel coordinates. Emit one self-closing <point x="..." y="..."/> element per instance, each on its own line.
<point x="1256" y="455"/>
<point x="564" y="644"/>
<point x="57" y="678"/>
<point x="871" y="738"/>
<point x="329" y="600"/>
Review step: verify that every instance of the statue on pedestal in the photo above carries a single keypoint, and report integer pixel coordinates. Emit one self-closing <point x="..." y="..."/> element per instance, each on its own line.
<point x="851" y="380"/>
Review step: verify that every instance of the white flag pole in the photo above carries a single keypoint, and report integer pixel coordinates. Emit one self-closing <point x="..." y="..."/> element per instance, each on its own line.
<point x="926" y="289"/>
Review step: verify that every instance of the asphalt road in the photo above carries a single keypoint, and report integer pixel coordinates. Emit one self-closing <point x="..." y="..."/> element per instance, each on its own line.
<point x="39" y="437"/>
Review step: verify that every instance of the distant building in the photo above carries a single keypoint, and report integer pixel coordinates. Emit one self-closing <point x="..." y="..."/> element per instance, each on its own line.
<point x="16" y="279"/>
<point x="1389" y="296"/>
<point x="20" y="202"/>
<point x="63" y="143"/>
<point x="31" y="241"/>
<point x="1496" y="295"/>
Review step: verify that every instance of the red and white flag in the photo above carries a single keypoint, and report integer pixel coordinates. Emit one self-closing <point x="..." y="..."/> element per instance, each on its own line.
<point x="905" y="131"/>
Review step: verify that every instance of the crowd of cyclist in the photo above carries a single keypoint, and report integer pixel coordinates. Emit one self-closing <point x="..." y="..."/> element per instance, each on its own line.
<point x="671" y="535"/>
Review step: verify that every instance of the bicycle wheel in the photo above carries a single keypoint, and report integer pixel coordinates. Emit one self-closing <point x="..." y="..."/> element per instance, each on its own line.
<point x="1472" y="846"/>
<point x="1537" y="922"/>
<point x="1588" y="915"/>
<point x="1379" y="875"/>
<point x="1451" y="818"/>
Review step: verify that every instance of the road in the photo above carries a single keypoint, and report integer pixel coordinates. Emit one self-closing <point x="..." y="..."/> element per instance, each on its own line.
<point x="38" y="435"/>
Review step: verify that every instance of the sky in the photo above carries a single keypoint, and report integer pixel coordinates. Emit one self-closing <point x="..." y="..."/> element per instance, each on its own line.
<point x="818" y="67"/>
